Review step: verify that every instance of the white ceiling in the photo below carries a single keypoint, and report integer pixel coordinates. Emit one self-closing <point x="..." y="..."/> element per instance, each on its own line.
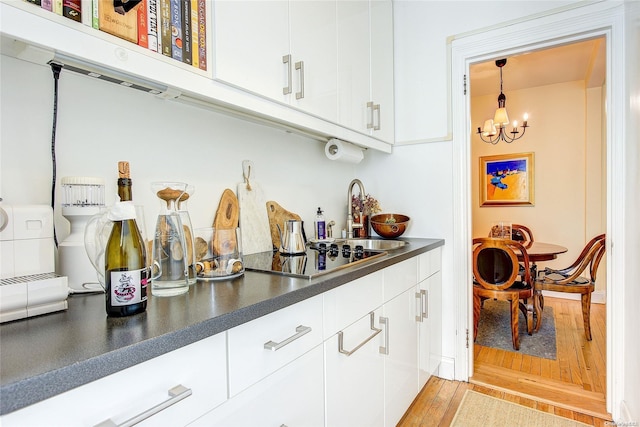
<point x="572" y="62"/>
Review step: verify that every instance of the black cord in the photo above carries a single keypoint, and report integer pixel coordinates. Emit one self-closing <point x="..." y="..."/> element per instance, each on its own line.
<point x="56" y="68"/>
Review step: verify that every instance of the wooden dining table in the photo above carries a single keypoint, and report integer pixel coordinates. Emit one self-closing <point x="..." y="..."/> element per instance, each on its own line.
<point x="540" y="251"/>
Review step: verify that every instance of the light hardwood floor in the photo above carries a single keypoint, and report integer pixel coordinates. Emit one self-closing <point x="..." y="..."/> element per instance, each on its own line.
<point x="572" y="386"/>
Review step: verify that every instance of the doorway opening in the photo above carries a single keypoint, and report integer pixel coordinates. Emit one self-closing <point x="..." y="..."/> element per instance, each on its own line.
<point x="583" y="23"/>
<point x="562" y="89"/>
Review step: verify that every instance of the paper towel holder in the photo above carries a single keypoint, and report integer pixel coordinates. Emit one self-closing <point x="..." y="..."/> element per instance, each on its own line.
<point x="337" y="149"/>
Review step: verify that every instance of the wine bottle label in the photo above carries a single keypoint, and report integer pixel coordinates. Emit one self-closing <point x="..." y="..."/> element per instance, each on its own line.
<point x="128" y="287"/>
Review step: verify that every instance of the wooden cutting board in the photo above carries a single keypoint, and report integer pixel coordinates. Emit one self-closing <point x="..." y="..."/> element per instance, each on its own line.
<point x="254" y="221"/>
<point x="278" y="215"/>
<point x="227" y="217"/>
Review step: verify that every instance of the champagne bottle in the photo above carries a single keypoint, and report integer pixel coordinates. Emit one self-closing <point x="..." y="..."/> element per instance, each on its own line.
<point x="125" y="262"/>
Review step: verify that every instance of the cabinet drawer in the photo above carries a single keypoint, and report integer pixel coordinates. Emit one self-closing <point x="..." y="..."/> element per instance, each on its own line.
<point x="288" y="333"/>
<point x="351" y="301"/>
<point x="199" y="367"/>
<point x="400" y="277"/>
<point x="291" y="396"/>
<point x="429" y="263"/>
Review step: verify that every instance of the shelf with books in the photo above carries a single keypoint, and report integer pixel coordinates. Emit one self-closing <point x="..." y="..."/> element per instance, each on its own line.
<point x="176" y="29"/>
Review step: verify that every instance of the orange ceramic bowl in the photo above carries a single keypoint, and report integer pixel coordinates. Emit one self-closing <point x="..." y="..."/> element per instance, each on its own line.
<point x="389" y="225"/>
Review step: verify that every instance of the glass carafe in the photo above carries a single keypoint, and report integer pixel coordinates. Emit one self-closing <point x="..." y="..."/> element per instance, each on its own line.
<point x="169" y="270"/>
<point x="188" y="233"/>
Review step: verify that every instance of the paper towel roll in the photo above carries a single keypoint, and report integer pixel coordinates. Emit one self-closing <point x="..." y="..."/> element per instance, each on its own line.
<point x="342" y="151"/>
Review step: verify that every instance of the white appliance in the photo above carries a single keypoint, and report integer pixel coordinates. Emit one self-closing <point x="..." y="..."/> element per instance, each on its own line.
<point x="28" y="283"/>
<point x="82" y="198"/>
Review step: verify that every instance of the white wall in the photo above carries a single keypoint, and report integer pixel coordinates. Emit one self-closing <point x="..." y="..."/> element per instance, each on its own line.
<point x="101" y="123"/>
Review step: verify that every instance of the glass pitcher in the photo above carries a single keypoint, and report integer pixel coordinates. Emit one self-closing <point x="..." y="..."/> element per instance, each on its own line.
<point x="188" y="233"/>
<point x="169" y="266"/>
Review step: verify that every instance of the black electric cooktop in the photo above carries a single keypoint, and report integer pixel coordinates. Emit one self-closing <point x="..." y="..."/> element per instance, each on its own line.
<point x="317" y="260"/>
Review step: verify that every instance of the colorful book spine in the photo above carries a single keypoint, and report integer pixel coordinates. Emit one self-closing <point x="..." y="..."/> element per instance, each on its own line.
<point x="202" y="34"/>
<point x="57" y="7"/>
<point x="47" y="5"/>
<point x="36" y="2"/>
<point x="143" y="36"/>
<point x="87" y="11"/>
<point x="185" y="6"/>
<point x="152" y="25"/>
<point x="194" y="34"/>
<point x="72" y="9"/>
<point x="165" y="27"/>
<point x="176" y="30"/>
<point x="95" y="14"/>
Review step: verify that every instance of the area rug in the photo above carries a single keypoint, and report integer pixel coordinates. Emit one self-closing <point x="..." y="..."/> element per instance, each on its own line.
<point x="494" y="330"/>
<point x="477" y="409"/>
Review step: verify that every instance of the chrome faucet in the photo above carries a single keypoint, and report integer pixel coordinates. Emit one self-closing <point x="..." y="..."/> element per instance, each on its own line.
<point x="350" y="223"/>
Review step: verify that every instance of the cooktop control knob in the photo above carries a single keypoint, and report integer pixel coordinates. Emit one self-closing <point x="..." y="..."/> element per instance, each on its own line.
<point x="346" y="251"/>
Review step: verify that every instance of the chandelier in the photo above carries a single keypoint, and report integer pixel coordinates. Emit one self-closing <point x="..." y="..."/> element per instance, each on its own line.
<point x="495" y="130"/>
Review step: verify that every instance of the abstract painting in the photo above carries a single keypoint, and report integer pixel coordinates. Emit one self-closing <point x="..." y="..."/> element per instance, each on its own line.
<point x="506" y="180"/>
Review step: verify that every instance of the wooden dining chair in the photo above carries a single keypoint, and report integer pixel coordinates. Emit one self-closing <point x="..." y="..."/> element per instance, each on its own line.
<point x="570" y="280"/>
<point x="496" y="275"/>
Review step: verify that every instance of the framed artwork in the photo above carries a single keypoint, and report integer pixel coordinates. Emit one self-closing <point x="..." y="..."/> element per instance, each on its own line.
<point x="506" y="180"/>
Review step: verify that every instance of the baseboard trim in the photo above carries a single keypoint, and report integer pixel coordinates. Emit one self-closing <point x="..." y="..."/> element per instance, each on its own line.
<point x="446" y="369"/>
<point x="597" y="297"/>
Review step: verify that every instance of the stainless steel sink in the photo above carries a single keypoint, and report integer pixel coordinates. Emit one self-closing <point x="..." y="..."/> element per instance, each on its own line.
<point x="374" y="244"/>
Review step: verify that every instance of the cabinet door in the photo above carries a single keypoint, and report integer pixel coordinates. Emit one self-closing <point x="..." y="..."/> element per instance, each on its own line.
<point x="382" y="87"/>
<point x="259" y="347"/>
<point x="292" y="396"/>
<point x="401" y="355"/>
<point x="200" y="367"/>
<point x="251" y="37"/>
<point x="430" y="326"/>
<point x="314" y="51"/>
<point x="354" y="383"/>
<point x="354" y="83"/>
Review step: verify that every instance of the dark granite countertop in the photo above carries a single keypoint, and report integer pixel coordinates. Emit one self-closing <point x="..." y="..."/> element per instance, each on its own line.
<point x="43" y="356"/>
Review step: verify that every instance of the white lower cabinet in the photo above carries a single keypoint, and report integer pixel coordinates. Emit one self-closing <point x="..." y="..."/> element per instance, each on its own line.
<point x="429" y="319"/>
<point x="372" y="365"/>
<point x="199" y="367"/>
<point x="354" y="374"/>
<point x="401" y="355"/>
<point x="291" y="396"/>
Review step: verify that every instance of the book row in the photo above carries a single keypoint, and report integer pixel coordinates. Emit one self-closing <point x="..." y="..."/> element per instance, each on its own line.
<point x="173" y="28"/>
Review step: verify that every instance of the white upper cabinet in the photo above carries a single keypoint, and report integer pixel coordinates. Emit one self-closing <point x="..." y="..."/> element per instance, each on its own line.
<point x="250" y="38"/>
<point x="382" y="80"/>
<point x="283" y="50"/>
<point x="354" y="81"/>
<point x="365" y="67"/>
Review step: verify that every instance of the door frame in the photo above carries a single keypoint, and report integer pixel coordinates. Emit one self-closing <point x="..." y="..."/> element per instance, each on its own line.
<point x="540" y="32"/>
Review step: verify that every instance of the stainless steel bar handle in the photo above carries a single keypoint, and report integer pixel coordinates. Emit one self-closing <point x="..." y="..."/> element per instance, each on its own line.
<point x="350" y="352"/>
<point x="286" y="59"/>
<point x="370" y="108"/>
<point x="385" y="349"/>
<point x="176" y="394"/>
<point x="425" y="303"/>
<point x="419" y="311"/>
<point x="300" y="66"/>
<point x="300" y="331"/>
<point x="376" y="107"/>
